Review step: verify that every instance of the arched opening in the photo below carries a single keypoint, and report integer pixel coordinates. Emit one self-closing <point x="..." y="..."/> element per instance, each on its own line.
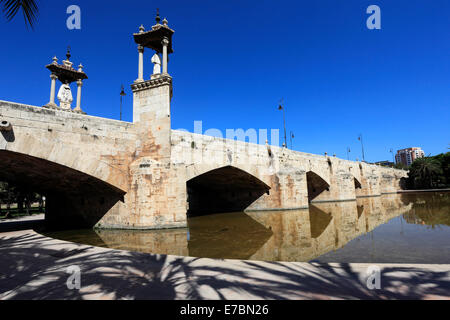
<point x="357" y="184"/>
<point x="227" y="189"/>
<point x="73" y="199"/>
<point x="316" y="185"/>
<point x="358" y="188"/>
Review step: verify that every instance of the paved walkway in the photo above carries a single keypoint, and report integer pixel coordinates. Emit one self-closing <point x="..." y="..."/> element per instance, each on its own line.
<point x="35" y="267"/>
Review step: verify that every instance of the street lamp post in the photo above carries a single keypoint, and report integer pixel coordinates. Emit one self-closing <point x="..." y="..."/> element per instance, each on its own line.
<point x="392" y="151"/>
<point x="348" y="153"/>
<point x="280" y="107"/>
<point x="122" y="94"/>
<point x="362" y="146"/>
<point x="291" y="137"/>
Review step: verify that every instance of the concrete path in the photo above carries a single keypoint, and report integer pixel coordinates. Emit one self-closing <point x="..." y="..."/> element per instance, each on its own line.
<point x="35" y="267"/>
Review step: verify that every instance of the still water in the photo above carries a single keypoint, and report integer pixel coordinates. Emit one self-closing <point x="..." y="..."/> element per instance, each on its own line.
<point x="398" y="228"/>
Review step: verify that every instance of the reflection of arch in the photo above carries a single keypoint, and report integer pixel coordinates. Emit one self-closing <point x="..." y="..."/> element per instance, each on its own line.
<point x="231" y="236"/>
<point x="316" y="185"/>
<point x="225" y="189"/>
<point x="74" y="199"/>
<point x="360" y="210"/>
<point x="319" y="221"/>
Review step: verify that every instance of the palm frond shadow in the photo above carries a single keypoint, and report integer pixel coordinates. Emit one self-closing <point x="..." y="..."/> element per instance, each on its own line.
<point x="34" y="267"/>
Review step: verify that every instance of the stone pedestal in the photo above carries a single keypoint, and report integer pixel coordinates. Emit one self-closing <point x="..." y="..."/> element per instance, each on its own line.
<point x="157" y="197"/>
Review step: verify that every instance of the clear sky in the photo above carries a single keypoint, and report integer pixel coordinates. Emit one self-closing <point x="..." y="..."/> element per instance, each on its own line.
<point x="234" y="60"/>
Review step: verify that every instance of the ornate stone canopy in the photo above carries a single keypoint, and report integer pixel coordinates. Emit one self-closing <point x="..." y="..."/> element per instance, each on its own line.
<point x="152" y="39"/>
<point x="65" y="72"/>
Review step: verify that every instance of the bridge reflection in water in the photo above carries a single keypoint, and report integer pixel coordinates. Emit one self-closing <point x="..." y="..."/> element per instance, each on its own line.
<point x="299" y="235"/>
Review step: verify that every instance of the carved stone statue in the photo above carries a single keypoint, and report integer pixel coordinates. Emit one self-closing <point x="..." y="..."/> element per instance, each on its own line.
<point x="65" y="97"/>
<point x="156" y="60"/>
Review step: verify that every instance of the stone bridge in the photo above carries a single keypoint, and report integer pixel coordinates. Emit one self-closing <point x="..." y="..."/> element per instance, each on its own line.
<point x="115" y="174"/>
<point x="144" y="175"/>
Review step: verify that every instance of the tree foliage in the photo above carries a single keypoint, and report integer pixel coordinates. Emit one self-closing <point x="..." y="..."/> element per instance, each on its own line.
<point x="430" y="172"/>
<point x="22" y="196"/>
<point x="29" y="9"/>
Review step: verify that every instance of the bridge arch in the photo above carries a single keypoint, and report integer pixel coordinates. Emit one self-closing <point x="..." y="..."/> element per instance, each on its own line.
<point x="225" y="189"/>
<point x="74" y="198"/>
<point x="83" y="157"/>
<point x="315" y="184"/>
<point x="358" y="186"/>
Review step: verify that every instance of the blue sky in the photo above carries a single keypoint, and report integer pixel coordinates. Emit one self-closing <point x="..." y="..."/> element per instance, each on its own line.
<point x="234" y="60"/>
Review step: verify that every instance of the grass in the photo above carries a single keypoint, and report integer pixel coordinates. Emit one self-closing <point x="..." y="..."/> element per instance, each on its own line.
<point x="15" y="214"/>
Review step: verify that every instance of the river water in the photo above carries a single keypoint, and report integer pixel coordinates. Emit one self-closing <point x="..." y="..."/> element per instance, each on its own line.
<point x="397" y="228"/>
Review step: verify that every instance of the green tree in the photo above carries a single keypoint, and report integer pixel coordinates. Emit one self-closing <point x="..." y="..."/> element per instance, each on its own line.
<point x="400" y="165"/>
<point x="444" y="159"/>
<point x="424" y="173"/>
<point x="7" y="195"/>
<point x="29" y="9"/>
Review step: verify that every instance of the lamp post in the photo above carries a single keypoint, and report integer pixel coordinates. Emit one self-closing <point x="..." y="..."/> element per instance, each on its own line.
<point x="348" y="153"/>
<point x="280" y="107"/>
<point x="291" y="137"/>
<point x="362" y="147"/>
<point x="392" y="151"/>
<point x="122" y="94"/>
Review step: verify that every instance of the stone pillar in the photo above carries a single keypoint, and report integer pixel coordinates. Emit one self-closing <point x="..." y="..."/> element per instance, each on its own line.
<point x="151" y="116"/>
<point x="141" y="64"/>
<point x="78" y="107"/>
<point x="52" y="91"/>
<point x="165" y="43"/>
<point x="341" y="182"/>
<point x="288" y="190"/>
<point x="158" y="196"/>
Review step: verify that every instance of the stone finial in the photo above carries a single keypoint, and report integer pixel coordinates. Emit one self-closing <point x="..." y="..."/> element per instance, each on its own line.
<point x="80" y="68"/>
<point x="158" y="18"/>
<point x="55" y="60"/>
<point x="67" y="62"/>
<point x="141" y="29"/>
<point x="165" y="22"/>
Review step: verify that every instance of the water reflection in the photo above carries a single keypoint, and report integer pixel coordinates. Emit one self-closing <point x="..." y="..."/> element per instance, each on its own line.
<point x="307" y="234"/>
<point x="319" y="233"/>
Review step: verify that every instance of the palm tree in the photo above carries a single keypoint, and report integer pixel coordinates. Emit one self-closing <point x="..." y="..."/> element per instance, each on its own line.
<point x="423" y="170"/>
<point x="29" y="9"/>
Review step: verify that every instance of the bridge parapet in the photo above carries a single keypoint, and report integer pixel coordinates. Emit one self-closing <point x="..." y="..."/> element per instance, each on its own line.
<point x="285" y="171"/>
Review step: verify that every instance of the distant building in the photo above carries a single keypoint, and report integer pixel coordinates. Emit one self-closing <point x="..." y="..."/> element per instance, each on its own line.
<point x="385" y="163"/>
<point x="407" y="156"/>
